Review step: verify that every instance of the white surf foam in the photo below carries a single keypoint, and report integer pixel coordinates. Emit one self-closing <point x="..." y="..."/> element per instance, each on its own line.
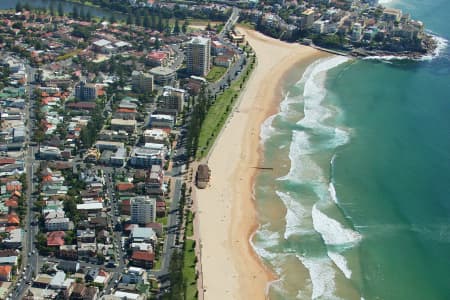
<point x="332" y="191"/>
<point x="267" y="129"/>
<point x="266" y="239"/>
<point x="441" y="42"/>
<point x="340" y="262"/>
<point x="332" y="232"/>
<point x="295" y="215"/>
<point x="322" y="276"/>
<point x="314" y="91"/>
<point x="302" y="167"/>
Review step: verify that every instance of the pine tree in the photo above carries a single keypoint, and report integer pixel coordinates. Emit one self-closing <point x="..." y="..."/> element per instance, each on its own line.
<point x="176" y="28"/>
<point x="160" y="24"/>
<point x="129" y="19"/>
<point x="185" y="26"/>
<point x="146" y="22"/>
<point x="19" y="6"/>
<point x="60" y="9"/>
<point x="75" y="13"/>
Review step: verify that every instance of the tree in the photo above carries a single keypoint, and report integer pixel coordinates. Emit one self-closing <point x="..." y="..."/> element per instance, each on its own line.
<point x="112" y="19"/>
<point x="157" y="43"/>
<point x="60" y="9"/>
<point x="208" y="27"/>
<point x="147" y="22"/>
<point x="75" y="13"/>
<point x="160" y="24"/>
<point x="185" y="26"/>
<point x="176" y="28"/>
<point x="19" y="6"/>
<point x="52" y="9"/>
<point x="82" y="14"/>
<point x="167" y="28"/>
<point x="129" y="19"/>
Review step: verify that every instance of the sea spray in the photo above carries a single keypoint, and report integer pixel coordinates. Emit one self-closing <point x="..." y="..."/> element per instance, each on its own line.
<point x="333" y="232"/>
<point x="322" y="276"/>
<point x="340" y="262"/>
<point x="295" y="215"/>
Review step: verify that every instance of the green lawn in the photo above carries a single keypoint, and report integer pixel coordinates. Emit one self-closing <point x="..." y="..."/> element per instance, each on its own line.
<point x="162" y="220"/>
<point x="219" y="112"/>
<point x="189" y="224"/>
<point x="189" y="270"/>
<point x="215" y="73"/>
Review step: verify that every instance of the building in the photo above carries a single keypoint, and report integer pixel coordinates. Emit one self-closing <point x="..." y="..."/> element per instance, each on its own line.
<point x="172" y="98"/>
<point x="203" y="176"/>
<point x="307" y="18"/>
<point x="49" y="153"/>
<point x="143" y="259"/>
<point x="162" y="121"/>
<point x="236" y="36"/>
<point x="156" y="136"/>
<point x="198" y="56"/>
<point x="392" y="14"/>
<point x="143" y="210"/>
<point x="85" y="91"/>
<point x="109" y="145"/>
<point x="142" y="157"/>
<point x="163" y="76"/>
<point x="14" y="239"/>
<point x="121" y="124"/>
<point x="142" y="82"/>
<point x="55" y="224"/>
<point x="119" y="157"/>
<point x="356" y="32"/>
<point x="157" y="58"/>
<point x="5" y="273"/>
<point x="69" y="266"/>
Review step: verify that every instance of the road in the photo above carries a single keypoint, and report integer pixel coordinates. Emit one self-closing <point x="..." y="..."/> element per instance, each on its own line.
<point x="29" y="252"/>
<point x="172" y="230"/>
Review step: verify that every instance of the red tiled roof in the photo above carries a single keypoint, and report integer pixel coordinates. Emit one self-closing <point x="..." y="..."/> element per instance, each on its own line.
<point x="124" y="186"/>
<point x="13" y="186"/>
<point x="160" y="204"/>
<point x="5" y="270"/>
<point x="55" y="238"/>
<point x="13" y="219"/>
<point x="11" y="203"/>
<point x="7" y="161"/>
<point x="157" y="55"/>
<point x="143" y="255"/>
<point x="126" y="110"/>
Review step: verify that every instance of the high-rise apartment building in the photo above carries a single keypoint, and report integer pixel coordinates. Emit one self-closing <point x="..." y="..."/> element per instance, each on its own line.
<point x="198" y="56"/>
<point x="85" y="91"/>
<point x="142" y="209"/>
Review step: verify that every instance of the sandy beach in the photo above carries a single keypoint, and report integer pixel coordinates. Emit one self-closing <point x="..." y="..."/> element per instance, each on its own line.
<point x="226" y="209"/>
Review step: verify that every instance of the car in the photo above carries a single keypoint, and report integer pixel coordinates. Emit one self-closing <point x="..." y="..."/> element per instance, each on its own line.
<point x="29" y="254"/>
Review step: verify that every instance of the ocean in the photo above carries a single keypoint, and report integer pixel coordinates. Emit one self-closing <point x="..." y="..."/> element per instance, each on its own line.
<point x="358" y="203"/>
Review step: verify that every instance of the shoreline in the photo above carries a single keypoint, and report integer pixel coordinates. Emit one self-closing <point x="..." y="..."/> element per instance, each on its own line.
<point x="227" y="208"/>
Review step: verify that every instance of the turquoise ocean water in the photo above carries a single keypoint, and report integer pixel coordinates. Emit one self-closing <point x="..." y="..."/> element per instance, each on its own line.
<point x="358" y="206"/>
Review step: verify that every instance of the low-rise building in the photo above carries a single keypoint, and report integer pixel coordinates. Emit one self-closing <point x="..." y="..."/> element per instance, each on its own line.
<point x="145" y="158"/>
<point x="155" y="135"/>
<point x="142" y="82"/>
<point x="162" y="121"/>
<point x="163" y="76"/>
<point x="126" y="125"/>
<point x="58" y="224"/>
